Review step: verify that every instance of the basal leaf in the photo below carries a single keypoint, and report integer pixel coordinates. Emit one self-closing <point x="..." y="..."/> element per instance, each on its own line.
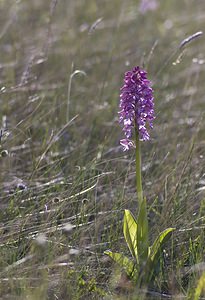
<point x="130" y="233"/>
<point x="124" y="262"/>
<point x="152" y="265"/>
<point x="159" y="242"/>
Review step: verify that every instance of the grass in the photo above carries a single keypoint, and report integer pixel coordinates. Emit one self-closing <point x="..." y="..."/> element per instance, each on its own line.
<point x="74" y="171"/>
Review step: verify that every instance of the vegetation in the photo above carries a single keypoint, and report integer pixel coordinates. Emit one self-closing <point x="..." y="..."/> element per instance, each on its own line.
<point x="65" y="181"/>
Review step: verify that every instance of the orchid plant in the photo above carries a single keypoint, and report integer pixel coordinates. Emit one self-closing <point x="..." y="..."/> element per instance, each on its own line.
<point x="136" y="112"/>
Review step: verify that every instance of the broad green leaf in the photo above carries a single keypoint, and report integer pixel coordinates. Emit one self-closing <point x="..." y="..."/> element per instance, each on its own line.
<point x="200" y="287"/>
<point x="124" y="262"/>
<point x="152" y="266"/>
<point x="130" y="233"/>
<point x="142" y="232"/>
<point x="159" y="242"/>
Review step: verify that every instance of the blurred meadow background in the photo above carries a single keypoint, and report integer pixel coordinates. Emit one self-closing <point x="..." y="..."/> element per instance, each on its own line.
<point x="64" y="180"/>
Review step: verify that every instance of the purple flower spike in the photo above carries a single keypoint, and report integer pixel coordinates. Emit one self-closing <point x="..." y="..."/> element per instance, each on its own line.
<point x="136" y="106"/>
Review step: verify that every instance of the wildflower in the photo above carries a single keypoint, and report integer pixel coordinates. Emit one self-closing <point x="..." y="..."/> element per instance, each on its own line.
<point x="136" y="106"/>
<point x="146" y="5"/>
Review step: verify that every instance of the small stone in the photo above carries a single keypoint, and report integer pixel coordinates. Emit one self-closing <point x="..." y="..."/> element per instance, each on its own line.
<point x="21" y="186"/>
<point x="41" y="239"/>
<point x="74" y="251"/>
<point x="4" y="153"/>
<point x="68" y="227"/>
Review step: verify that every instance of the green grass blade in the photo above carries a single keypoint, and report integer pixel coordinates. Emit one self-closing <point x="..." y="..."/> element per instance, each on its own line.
<point x="200" y="287"/>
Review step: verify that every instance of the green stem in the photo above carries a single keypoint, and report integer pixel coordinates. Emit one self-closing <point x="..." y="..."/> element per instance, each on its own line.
<point x="138" y="168"/>
<point x="142" y="221"/>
